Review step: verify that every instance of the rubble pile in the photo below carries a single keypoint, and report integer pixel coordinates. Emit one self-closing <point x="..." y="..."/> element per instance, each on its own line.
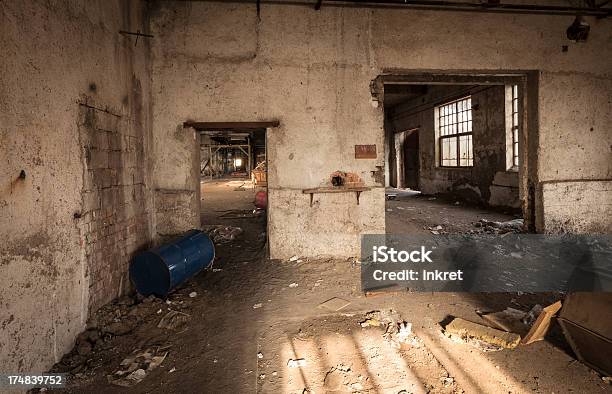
<point x="492" y="227"/>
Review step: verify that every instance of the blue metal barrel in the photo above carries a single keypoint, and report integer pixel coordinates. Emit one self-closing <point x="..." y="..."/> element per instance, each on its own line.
<point x="157" y="271"/>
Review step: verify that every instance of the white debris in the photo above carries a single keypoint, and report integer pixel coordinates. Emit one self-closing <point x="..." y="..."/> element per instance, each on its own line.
<point x="193" y="294"/>
<point x="260" y="355"/>
<point x="405" y="331"/>
<point x="293" y="285"/>
<point x="257" y="306"/>
<point x="172" y="370"/>
<point x="294" y="363"/>
<point x="216" y="270"/>
<point x="532" y="315"/>
<point x="293" y="258"/>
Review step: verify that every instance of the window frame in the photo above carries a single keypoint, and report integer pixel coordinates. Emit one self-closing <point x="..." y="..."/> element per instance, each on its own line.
<point x="514" y="126"/>
<point x="457" y="135"/>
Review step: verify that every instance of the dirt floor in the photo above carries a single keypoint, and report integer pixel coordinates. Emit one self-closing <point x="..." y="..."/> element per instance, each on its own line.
<point x="256" y="325"/>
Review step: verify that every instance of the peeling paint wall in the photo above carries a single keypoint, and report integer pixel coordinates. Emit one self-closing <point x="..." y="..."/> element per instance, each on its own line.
<point x="62" y="62"/>
<point x="487" y="182"/>
<point x="312" y="71"/>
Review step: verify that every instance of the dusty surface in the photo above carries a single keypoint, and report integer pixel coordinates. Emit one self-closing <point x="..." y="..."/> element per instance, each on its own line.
<point x="216" y="350"/>
<point x="413" y="213"/>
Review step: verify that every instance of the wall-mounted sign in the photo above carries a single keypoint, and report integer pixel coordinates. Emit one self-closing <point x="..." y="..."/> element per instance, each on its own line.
<point x="365" y="151"/>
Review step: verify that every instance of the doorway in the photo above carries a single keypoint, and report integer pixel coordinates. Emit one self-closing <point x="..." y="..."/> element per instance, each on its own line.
<point x="457" y="146"/>
<point x="407" y="159"/>
<point x="233" y="187"/>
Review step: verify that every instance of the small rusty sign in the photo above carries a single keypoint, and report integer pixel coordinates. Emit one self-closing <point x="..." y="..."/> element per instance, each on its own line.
<point x="365" y="151"/>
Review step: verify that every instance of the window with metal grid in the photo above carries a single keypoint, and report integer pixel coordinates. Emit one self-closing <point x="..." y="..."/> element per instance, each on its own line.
<point x="455" y="133"/>
<point x="515" y="126"/>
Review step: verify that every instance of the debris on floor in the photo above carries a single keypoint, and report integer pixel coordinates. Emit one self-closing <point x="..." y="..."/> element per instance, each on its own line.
<point x="493" y="227"/>
<point x="542" y="323"/>
<point x="136" y="367"/>
<point x="295" y="363"/>
<point x="173" y="320"/>
<point x="509" y="320"/>
<point x="334" y="304"/>
<point x="220" y="234"/>
<point x="464" y="330"/>
<point x="436" y="230"/>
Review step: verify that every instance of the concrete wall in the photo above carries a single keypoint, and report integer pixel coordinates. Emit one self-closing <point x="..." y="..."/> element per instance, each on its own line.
<point x="488" y="181"/>
<point x="74" y="116"/>
<point x="312" y="70"/>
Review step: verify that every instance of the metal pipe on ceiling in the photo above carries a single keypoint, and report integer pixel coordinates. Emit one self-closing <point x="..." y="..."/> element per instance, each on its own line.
<point x="433" y="5"/>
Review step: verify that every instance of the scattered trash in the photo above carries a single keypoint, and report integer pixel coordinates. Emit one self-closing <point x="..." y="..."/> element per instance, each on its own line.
<point x="136" y="368"/>
<point x="493" y="227"/>
<point x="606" y="379"/>
<point x="173" y="320"/>
<point x="262" y="376"/>
<point x="531" y="316"/>
<point x="459" y="329"/>
<point x="436" y="230"/>
<point x="334" y="304"/>
<point x="293" y="285"/>
<point x="217" y="270"/>
<point x="257" y="306"/>
<point x="294" y="258"/>
<point x="260" y="355"/>
<point x="172" y="370"/>
<point x="295" y="363"/>
<point x="220" y="234"/>
<point x="193" y="294"/>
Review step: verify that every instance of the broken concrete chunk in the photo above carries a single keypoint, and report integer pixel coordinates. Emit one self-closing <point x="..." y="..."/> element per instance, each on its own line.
<point x="370" y="323"/>
<point x="138" y="365"/>
<point x="469" y="330"/>
<point x="295" y="363"/>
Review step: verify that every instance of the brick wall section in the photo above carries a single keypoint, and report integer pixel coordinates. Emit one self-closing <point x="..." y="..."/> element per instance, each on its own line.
<point x="114" y="218"/>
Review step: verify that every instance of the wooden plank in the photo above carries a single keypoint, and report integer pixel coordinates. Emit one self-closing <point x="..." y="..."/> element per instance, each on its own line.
<point x="214" y="126"/>
<point x="542" y="324"/>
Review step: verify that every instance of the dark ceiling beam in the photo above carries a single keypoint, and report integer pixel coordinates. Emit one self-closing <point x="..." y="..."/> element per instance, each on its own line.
<point x="432" y="5"/>
<point x="233" y="126"/>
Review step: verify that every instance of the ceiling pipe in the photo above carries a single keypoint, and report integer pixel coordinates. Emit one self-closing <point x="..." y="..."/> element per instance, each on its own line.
<point x="432" y="5"/>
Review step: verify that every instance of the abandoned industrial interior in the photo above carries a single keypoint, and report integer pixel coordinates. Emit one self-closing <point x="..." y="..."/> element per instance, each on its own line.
<point x="186" y="186"/>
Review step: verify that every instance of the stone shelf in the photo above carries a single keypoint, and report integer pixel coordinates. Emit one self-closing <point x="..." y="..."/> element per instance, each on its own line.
<point x="339" y="189"/>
